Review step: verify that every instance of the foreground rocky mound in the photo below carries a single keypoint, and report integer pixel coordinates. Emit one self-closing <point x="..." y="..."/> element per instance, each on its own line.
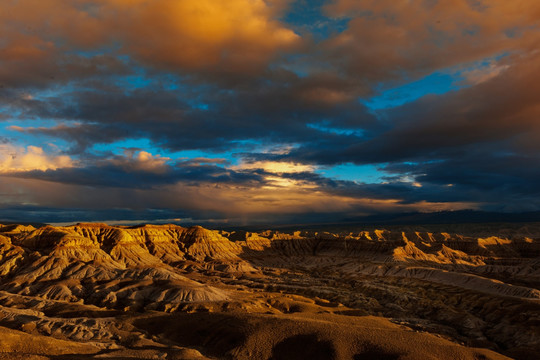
<point x="174" y="292"/>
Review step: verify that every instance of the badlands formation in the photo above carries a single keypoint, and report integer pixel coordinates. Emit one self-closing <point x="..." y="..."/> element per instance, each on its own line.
<point x="93" y="291"/>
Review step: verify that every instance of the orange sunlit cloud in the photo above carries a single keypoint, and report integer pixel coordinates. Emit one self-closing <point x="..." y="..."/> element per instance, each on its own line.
<point x="238" y="35"/>
<point x="386" y="35"/>
<point x="14" y="159"/>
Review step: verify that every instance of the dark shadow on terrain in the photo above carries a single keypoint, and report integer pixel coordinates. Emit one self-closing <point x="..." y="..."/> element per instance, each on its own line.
<point x="303" y="347"/>
<point x="373" y="352"/>
<point x="216" y="333"/>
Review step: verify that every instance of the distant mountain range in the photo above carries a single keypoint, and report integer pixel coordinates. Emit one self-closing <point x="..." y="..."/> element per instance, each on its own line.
<point x="410" y="218"/>
<point x="448" y="217"/>
<point x="398" y="219"/>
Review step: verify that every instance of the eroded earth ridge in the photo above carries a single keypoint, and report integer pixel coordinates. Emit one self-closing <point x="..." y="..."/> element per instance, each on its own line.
<point x="93" y="291"/>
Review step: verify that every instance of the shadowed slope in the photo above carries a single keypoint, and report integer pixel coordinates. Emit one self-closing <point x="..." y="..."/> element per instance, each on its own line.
<point x="305" y="336"/>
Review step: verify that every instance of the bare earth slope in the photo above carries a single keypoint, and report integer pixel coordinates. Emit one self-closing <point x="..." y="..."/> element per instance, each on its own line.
<point x="93" y="291"/>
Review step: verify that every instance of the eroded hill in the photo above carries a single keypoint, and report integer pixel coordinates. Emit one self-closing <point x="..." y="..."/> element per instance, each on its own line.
<point x="94" y="291"/>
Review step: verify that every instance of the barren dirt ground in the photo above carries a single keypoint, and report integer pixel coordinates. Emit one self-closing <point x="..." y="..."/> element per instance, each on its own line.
<point x="93" y="291"/>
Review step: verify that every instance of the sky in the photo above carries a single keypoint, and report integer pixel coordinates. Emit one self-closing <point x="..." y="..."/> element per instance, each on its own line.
<point x="267" y="111"/>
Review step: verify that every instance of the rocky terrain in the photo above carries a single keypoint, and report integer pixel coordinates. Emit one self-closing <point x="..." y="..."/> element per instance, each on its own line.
<point x="93" y="291"/>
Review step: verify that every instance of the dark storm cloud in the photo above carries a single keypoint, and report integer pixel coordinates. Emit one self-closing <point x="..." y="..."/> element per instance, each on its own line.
<point x="396" y="189"/>
<point x="492" y="177"/>
<point x="494" y="116"/>
<point x="131" y="174"/>
<point x="208" y="118"/>
<point x="43" y="214"/>
<point x="514" y="189"/>
<point x="55" y="68"/>
<point x="484" y="136"/>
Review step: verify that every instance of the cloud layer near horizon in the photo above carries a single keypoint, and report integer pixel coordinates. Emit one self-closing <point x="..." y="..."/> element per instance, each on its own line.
<point x="251" y="111"/>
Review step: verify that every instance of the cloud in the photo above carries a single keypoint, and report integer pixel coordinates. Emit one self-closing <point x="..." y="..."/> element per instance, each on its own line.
<point x="237" y="35"/>
<point x="484" y="73"/>
<point x="482" y="139"/>
<point x="137" y="182"/>
<point x="142" y="161"/>
<point x="389" y="40"/>
<point x="275" y="166"/>
<point x="42" y="43"/>
<point x="198" y="161"/>
<point x="234" y="203"/>
<point x="233" y="81"/>
<point x="485" y="117"/>
<point x="16" y="159"/>
<point x="45" y="42"/>
<point x="135" y="170"/>
<point x="172" y="119"/>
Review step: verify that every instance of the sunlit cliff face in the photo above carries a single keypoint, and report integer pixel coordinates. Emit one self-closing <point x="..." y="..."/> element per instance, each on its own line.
<point x="274" y="111"/>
